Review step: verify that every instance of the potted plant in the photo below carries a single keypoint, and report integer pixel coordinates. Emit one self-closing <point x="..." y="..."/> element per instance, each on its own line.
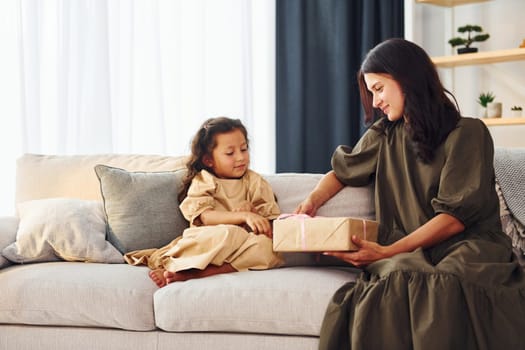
<point x="516" y="111"/>
<point x="483" y="99"/>
<point x="466" y="42"/>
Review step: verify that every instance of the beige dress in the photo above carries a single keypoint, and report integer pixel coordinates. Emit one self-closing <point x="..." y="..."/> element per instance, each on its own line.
<point x="200" y="245"/>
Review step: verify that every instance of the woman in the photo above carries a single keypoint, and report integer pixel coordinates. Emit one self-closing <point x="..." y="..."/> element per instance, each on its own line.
<point x="442" y="275"/>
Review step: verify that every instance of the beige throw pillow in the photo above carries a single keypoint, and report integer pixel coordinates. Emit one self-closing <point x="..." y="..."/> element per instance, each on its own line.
<point x="61" y="229"/>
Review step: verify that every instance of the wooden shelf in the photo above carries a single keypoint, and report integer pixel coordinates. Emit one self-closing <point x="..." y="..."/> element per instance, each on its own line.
<point x="449" y="3"/>
<point x="480" y="58"/>
<point x="504" y="121"/>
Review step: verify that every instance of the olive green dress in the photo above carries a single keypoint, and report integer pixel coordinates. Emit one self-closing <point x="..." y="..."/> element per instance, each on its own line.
<point x="465" y="293"/>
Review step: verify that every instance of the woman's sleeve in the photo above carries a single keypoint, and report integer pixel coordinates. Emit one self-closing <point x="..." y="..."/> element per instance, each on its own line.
<point x="200" y="198"/>
<point x="357" y="166"/>
<point x="467" y="181"/>
<point x="262" y="197"/>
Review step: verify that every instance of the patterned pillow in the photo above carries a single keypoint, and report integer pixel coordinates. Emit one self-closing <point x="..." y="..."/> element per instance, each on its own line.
<point x="512" y="227"/>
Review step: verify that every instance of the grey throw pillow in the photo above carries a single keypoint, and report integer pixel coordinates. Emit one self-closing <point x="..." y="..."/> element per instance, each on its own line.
<point x="141" y="207"/>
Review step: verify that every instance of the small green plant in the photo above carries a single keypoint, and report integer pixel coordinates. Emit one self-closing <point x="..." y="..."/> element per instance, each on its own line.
<point x="485" y="97"/>
<point x="516" y="108"/>
<point x="466" y="42"/>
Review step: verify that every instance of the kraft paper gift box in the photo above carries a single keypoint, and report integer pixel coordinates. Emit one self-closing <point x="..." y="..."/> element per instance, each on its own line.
<point x="302" y="233"/>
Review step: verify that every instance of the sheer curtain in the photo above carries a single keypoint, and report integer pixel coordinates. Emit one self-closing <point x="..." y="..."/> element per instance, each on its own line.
<point x="133" y="76"/>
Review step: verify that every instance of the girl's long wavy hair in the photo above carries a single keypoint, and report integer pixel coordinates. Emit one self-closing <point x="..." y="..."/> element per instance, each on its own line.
<point x="203" y="144"/>
<point x="430" y="113"/>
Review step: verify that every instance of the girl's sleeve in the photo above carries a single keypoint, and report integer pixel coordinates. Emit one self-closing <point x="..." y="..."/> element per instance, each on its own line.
<point x="262" y="197"/>
<point x="467" y="181"/>
<point x="200" y="198"/>
<point x="357" y="166"/>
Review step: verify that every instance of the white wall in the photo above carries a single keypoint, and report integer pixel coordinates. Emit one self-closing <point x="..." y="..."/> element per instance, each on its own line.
<point x="432" y="26"/>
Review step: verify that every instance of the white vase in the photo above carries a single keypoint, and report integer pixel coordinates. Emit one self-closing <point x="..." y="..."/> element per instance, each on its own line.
<point x="494" y="110"/>
<point x="482" y="112"/>
<point x="515" y="113"/>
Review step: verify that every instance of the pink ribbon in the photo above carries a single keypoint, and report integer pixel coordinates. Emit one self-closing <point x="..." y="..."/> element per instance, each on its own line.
<point x="300" y="217"/>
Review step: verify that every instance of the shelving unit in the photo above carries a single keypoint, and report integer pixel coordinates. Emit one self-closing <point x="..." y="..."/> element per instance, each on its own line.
<point x="479" y="58"/>
<point x="488" y="57"/>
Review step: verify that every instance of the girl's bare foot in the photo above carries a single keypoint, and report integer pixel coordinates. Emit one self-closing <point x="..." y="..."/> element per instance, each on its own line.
<point x="180" y="276"/>
<point x="158" y="277"/>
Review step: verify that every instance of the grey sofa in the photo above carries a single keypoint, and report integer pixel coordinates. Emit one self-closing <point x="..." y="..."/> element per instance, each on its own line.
<point x="91" y="305"/>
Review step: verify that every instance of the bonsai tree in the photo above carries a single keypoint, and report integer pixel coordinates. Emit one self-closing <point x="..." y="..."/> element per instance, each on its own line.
<point x="516" y="108"/>
<point x="485" y="97"/>
<point x="458" y="41"/>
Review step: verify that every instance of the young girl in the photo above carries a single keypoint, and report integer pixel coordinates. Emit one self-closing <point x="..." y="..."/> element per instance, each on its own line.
<point x="229" y="208"/>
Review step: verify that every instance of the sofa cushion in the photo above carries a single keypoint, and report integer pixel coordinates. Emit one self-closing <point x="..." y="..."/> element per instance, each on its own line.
<point x="78" y="294"/>
<point x="8" y="228"/>
<point x="142" y="208"/>
<point x="289" y="300"/>
<point x="61" y="228"/>
<point x="292" y="188"/>
<point x="72" y="176"/>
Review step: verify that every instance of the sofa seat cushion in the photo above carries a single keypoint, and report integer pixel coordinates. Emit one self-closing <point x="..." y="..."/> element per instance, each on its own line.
<point x="77" y="294"/>
<point x="289" y="300"/>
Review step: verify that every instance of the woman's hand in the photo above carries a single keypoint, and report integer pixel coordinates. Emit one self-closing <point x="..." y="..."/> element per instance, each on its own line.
<point x="306" y="207"/>
<point x="327" y="187"/>
<point x="259" y="224"/>
<point x="367" y="253"/>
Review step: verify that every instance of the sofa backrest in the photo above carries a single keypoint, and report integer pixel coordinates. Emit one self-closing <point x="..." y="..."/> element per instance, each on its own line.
<point x="292" y="188"/>
<point x="52" y="176"/>
<point x="73" y="176"/>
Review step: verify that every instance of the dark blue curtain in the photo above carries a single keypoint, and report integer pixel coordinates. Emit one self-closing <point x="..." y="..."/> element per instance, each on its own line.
<point x="320" y="46"/>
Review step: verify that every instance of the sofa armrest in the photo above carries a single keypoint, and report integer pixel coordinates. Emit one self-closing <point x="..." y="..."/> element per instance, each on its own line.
<point x="8" y="228"/>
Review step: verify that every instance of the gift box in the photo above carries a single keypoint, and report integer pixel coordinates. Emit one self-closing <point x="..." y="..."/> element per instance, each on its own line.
<point x="302" y="233"/>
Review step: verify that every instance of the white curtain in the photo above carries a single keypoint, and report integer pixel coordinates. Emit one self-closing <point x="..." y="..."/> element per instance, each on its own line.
<point x="132" y="76"/>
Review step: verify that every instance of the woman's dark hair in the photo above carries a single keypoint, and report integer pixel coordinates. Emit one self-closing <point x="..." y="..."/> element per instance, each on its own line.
<point x="429" y="112"/>
<point x="203" y="144"/>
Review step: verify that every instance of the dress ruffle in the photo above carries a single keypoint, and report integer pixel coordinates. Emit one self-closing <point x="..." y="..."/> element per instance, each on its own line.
<point x="453" y="304"/>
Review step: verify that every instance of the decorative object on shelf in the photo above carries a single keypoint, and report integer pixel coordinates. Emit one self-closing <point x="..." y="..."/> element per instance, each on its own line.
<point x="523" y="43"/>
<point x="458" y="41"/>
<point x="483" y="99"/>
<point x="494" y="109"/>
<point x="516" y="111"/>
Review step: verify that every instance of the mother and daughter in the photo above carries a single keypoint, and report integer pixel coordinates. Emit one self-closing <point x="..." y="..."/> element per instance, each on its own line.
<point x="442" y="275"/>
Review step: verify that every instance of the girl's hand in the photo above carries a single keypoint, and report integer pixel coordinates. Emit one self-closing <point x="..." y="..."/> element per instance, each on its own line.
<point x="259" y="224"/>
<point x="367" y="253"/>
